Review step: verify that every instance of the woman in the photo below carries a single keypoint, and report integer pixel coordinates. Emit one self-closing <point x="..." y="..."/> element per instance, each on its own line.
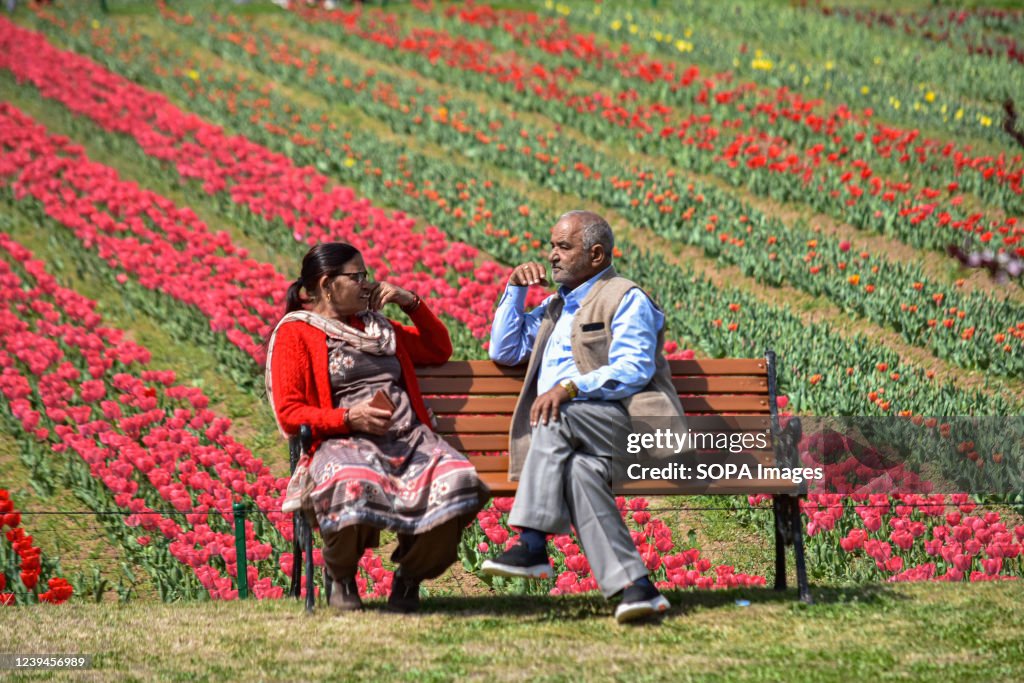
<point x="374" y="467"/>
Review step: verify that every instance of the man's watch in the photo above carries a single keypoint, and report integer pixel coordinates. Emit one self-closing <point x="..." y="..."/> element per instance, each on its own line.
<point x="570" y="388"/>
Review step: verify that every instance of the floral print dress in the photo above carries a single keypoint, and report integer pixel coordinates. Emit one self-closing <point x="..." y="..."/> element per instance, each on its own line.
<point x="408" y="480"/>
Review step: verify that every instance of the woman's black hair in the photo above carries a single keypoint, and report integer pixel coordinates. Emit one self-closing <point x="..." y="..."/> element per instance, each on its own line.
<point x="323" y="259"/>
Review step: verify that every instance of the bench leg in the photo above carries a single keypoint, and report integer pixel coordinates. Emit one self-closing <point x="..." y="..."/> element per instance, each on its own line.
<point x="328" y="584"/>
<point x="781" y="517"/>
<point x="294" y="590"/>
<point x="798" y="551"/>
<point x="308" y="542"/>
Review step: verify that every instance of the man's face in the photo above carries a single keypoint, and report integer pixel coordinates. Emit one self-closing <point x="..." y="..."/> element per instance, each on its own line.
<point x="571" y="266"/>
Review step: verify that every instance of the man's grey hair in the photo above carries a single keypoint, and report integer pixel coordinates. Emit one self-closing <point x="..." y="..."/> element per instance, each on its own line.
<point x="595" y="229"/>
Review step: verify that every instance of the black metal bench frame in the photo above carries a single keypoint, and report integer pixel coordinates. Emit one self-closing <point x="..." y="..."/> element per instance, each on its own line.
<point x="786" y="507"/>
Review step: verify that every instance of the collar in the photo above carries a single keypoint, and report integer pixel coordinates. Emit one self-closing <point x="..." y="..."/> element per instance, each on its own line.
<point x="573" y="298"/>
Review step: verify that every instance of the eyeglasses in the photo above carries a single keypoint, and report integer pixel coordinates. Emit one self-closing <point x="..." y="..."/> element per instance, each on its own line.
<point x="358" y="278"/>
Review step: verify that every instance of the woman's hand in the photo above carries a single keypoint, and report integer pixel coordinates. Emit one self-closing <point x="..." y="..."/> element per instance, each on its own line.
<point x="364" y="417"/>
<point x="386" y="293"/>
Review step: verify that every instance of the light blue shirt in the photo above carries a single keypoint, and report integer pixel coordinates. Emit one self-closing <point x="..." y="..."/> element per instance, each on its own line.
<point x="631" y="354"/>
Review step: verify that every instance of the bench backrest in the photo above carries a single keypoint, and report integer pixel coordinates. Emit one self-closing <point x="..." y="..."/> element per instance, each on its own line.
<point x="473" y="403"/>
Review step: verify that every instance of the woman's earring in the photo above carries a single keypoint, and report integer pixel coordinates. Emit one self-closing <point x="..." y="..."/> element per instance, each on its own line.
<point x="327" y="295"/>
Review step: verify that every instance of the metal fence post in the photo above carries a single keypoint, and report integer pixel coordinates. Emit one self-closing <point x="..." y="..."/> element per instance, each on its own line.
<point x="240" y="562"/>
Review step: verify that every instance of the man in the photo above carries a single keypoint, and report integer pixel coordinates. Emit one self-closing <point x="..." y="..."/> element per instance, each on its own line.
<point x="595" y="363"/>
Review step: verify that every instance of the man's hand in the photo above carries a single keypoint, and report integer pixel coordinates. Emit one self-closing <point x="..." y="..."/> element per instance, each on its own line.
<point x="546" y="406"/>
<point x="528" y="274"/>
<point x="386" y="293"/>
<point x="364" y="417"/>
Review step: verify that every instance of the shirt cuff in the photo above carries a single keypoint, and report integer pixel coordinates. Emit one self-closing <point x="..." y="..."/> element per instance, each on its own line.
<point x="515" y="295"/>
<point x="587" y="384"/>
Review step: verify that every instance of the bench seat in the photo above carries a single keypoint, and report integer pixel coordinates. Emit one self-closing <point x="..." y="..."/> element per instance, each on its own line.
<point x="473" y="403"/>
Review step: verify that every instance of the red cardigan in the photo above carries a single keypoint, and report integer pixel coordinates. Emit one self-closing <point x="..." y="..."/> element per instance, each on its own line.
<point x="301" y="381"/>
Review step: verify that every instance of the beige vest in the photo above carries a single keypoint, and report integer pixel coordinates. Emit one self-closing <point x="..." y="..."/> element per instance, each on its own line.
<point x="657" y="400"/>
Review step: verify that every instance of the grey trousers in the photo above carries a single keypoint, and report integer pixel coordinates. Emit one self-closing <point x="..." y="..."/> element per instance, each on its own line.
<point x="567" y="480"/>
<point x="420" y="556"/>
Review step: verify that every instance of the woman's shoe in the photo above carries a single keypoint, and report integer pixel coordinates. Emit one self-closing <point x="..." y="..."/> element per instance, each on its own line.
<point x="405" y="595"/>
<point x="345" y="595"/>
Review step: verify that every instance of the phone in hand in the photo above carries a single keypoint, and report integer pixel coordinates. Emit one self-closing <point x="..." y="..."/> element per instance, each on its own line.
<point x="382" y="400"/>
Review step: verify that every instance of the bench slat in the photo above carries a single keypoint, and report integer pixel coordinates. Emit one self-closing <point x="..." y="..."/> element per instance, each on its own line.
<point x="493" y="463"/>
<point x="471" y="368"/>
<point x="700" y="366"/>
<point x="719" y="366"/>
<point x="471" y="385"/>
<point x="478" y="442"/>
<point x="512" y="386"/>
<point x="499" y="424"/>
<point x="490" y="463"/>
<point x="725" y="404"/>
<point x="498" y="483"/>
<point x="719" y="487"/>
<point x="499" y="463"/>
<point x="473" y="424"/>
<point x="474" y="405"/>
<point x="721" y="385"/>
<point x="471" y="404"/>
<point x="492" y="442"/>
<point x="500" y="486"/>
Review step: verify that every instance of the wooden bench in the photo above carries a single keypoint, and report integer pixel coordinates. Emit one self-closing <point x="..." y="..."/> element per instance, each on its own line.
<point x="473" y="403"/>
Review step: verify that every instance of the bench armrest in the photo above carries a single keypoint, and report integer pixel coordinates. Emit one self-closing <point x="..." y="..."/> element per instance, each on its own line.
<point x="788" y="437"/>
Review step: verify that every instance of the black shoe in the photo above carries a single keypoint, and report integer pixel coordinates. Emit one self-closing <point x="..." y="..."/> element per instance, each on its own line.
<point x="639" y="602"/>
<point x="405" y="595"/>
<point x="345" y="596"/>
<point x="519" y="562"/>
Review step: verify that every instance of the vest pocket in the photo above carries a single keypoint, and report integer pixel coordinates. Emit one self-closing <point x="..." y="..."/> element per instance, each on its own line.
<point x="593" y="347"/>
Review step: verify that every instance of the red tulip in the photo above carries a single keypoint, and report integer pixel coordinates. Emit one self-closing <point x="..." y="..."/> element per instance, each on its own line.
<point x="962" y="562"/>
<point x="29" y="578"/>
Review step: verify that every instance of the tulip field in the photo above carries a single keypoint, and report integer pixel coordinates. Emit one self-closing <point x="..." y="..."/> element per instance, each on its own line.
<point x="777" y="177"/>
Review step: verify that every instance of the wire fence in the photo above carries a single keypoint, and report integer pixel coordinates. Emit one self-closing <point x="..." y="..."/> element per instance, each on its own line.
<point x="673" y="508"/>
<point x="107" y="560"/>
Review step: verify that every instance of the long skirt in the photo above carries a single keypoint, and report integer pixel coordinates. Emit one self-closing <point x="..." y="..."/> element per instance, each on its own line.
<point x="408" y="483"/>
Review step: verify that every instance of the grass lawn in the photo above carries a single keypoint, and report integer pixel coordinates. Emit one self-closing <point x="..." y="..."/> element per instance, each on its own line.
<point x="920" y="632"/>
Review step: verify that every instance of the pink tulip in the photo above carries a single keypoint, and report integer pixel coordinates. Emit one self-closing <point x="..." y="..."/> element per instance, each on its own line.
<point x="962" y="562"/>
<point x="893" y="564"/>
<point x="497" y="535"/>
<point x="873" y="522"/>
<point x="992" y="566"/>
<point x="877" y="550"/>
<point x="567" y="582"/>
<point x="578" y="564"/>
<point x="952" y="574"/>
<point x="903" y="539"/>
